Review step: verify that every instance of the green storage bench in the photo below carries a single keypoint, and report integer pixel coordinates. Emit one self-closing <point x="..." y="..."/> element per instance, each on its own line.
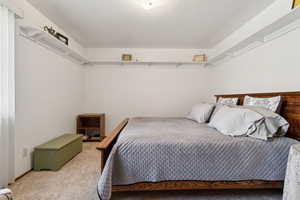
<point x="55" y="153"/>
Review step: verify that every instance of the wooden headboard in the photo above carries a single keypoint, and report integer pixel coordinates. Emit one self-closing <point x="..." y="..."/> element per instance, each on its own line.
<point x="290" y="109"/>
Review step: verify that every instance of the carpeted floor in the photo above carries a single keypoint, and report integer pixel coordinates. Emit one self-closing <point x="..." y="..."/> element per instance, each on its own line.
<point x="77" y="180"/>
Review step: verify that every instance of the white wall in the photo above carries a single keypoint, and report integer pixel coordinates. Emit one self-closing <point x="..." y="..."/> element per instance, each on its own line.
<point x="48" y="93"/>
<point x="275" y="66"/>
<point x="124" y="91"/>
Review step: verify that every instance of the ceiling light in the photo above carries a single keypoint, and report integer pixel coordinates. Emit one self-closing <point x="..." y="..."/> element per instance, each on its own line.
<point x="150" y="4"/>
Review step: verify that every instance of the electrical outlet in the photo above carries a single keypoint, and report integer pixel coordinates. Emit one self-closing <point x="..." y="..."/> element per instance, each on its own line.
<point x="25" y="152"/>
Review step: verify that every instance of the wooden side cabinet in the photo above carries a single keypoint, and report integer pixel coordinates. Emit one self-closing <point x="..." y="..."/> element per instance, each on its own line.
<point x="91" y="126"/>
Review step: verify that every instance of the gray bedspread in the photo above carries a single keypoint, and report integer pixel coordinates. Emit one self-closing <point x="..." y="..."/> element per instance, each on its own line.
<point x="161" y="149"/>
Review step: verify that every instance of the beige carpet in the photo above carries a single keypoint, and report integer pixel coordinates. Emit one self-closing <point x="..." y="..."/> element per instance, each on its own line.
<point x="77" y="180"/>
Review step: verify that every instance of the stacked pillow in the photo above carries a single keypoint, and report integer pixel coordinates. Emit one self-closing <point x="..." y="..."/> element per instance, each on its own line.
<point x="273" y="104"/>
<point x="256" y="118"/>
<point x="249" y="121"/>
<point x="201" y="112"/>
<point x="228" y="101"/>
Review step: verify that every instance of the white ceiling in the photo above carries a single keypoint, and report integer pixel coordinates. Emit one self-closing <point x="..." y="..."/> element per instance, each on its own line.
<point x="198" y="24"/>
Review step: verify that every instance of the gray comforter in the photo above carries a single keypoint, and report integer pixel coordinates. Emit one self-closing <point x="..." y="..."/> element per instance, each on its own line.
<point x="160" y="149"/>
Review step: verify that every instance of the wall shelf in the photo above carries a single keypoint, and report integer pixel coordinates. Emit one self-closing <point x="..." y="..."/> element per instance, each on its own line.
<point x="149" y="63"/>
<point x="48" y="41"/>
<point x="280" y="27"/>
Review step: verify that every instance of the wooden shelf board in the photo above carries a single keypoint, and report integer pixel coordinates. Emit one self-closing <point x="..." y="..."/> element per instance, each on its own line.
<point x="92" y="139"/>
<point x="89" y="115"/>
<point x="90" y="128"/>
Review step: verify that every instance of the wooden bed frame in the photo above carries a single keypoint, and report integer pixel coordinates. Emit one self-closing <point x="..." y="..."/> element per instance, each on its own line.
<point x="290" y="110"/>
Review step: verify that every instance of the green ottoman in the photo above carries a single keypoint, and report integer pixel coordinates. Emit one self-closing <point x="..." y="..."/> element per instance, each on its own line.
<point x="55" y="153"/>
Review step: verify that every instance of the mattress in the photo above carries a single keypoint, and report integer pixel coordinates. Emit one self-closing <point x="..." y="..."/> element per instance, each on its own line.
<point x="162" y="149"/>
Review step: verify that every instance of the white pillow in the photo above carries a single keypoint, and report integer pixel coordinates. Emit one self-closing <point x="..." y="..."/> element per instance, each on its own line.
<point x="273" y="103"/>
<point x="228" y="101"/>
<point x="274" y="124"/>
<point x="256" y="122"/>
<point x="201" y="112"/>
<point x="235" y="121"/>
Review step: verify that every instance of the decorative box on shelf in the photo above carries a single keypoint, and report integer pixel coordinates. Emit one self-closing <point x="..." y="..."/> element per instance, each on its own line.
<point x="91" y="126"/>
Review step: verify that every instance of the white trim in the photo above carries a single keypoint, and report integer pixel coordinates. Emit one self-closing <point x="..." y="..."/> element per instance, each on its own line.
<point x="8" y="4"/>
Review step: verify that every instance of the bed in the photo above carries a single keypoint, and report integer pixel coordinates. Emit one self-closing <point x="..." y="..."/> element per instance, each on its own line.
<point x="165" y="160"/>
